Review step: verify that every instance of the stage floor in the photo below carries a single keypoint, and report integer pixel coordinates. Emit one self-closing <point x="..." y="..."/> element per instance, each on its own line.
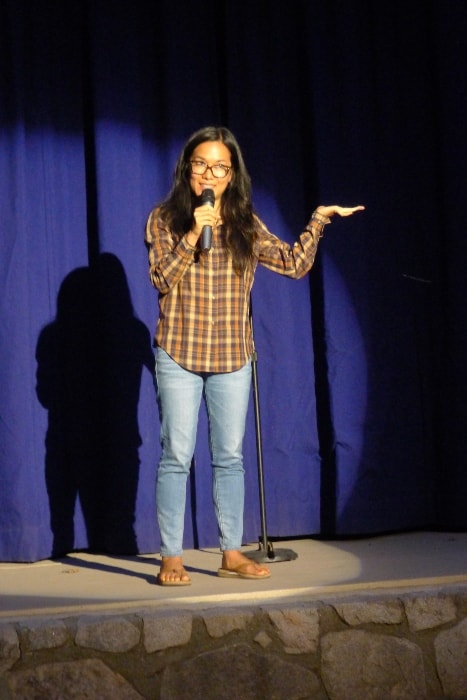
<point x="83" y="582"/>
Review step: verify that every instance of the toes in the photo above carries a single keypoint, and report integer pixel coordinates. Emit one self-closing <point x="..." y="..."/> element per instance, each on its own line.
<point x="174" y="575"/>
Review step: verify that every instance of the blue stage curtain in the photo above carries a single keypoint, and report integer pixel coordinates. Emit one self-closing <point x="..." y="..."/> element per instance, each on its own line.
<point x="360" y="364"/>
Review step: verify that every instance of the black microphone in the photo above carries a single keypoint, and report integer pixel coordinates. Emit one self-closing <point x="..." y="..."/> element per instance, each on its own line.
<point x="207" y="197"/>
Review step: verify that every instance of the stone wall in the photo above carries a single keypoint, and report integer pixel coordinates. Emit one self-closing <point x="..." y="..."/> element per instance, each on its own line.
<point x="407" y="646"/>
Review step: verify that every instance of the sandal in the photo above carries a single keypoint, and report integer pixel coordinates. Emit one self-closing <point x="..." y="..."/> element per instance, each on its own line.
<point x="240" y="572"/>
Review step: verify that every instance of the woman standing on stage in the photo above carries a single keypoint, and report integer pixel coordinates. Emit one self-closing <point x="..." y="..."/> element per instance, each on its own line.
<point x="203" y="338"/>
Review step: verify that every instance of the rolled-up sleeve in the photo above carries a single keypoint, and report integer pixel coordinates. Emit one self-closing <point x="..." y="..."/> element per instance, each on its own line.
<point x="169" y="255"/>
<point x="291" y="260"/>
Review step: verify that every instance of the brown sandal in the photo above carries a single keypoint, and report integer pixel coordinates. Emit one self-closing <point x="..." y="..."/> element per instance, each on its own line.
<point x="239" y="572"/>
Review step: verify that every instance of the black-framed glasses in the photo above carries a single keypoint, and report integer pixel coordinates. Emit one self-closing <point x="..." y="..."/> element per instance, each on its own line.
<point x="199" y="167"/>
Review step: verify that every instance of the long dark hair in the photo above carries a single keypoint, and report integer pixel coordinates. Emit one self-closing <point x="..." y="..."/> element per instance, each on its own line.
<point x="236" y="207"/>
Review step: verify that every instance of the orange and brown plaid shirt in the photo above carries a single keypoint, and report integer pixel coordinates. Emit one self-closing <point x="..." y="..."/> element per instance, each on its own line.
<point x="204" y="322"/>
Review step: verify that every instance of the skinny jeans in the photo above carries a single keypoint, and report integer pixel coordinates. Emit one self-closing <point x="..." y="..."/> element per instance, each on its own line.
<point x="179" y="394"/>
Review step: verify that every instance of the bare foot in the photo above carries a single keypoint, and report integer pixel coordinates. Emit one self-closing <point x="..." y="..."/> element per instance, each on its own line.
<point x="235" y="561"/>
<point x="172" y="572"/>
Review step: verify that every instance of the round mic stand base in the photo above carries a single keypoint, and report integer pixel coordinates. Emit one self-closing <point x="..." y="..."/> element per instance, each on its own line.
<point x="270" y="555"/>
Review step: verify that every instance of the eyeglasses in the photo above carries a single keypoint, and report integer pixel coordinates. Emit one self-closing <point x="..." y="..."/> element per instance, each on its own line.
<point x="199" y="167"/>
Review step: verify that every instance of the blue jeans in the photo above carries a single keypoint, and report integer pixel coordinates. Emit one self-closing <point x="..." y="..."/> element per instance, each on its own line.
<point x="179" y="394"/>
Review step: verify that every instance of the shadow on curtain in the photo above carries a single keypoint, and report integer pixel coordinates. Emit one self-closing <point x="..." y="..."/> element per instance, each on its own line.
<point x="89" y="365"/>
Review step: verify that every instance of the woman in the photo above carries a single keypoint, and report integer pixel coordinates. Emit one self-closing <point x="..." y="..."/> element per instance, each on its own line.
<point x="203" y="338"/>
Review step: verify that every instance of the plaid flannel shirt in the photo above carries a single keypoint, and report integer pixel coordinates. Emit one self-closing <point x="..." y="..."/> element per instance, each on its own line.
<point x="204" y="306"/>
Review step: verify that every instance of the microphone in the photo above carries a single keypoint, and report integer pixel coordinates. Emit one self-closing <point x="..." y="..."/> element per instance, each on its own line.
<point x="207" y="197"/>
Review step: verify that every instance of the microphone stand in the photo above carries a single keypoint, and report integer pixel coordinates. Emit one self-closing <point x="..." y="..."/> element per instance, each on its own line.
<point x="265" y="552"/>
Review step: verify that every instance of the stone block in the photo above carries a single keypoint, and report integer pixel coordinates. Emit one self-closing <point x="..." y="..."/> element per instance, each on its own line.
<point x="114" y="634"/>
<point x="428" y="612"/>
<point x="451" y="660"/>
<point x="389" y="612"/>
<point x="46" y="634"/>
<point x="9" y="647"/>
<point x="235" y="672"/>
<point x="73" y="680"/>
<point x="263" y="639"/>
<point x="220" y="624"/>
<point x="298" y="629"/>
<point x="358" y="665"/>
<point x="165" y="631"/>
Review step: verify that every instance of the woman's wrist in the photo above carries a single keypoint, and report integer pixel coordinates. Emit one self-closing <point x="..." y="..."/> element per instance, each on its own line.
<point x="325" y="211"/>
<point x="191" y="238"/>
